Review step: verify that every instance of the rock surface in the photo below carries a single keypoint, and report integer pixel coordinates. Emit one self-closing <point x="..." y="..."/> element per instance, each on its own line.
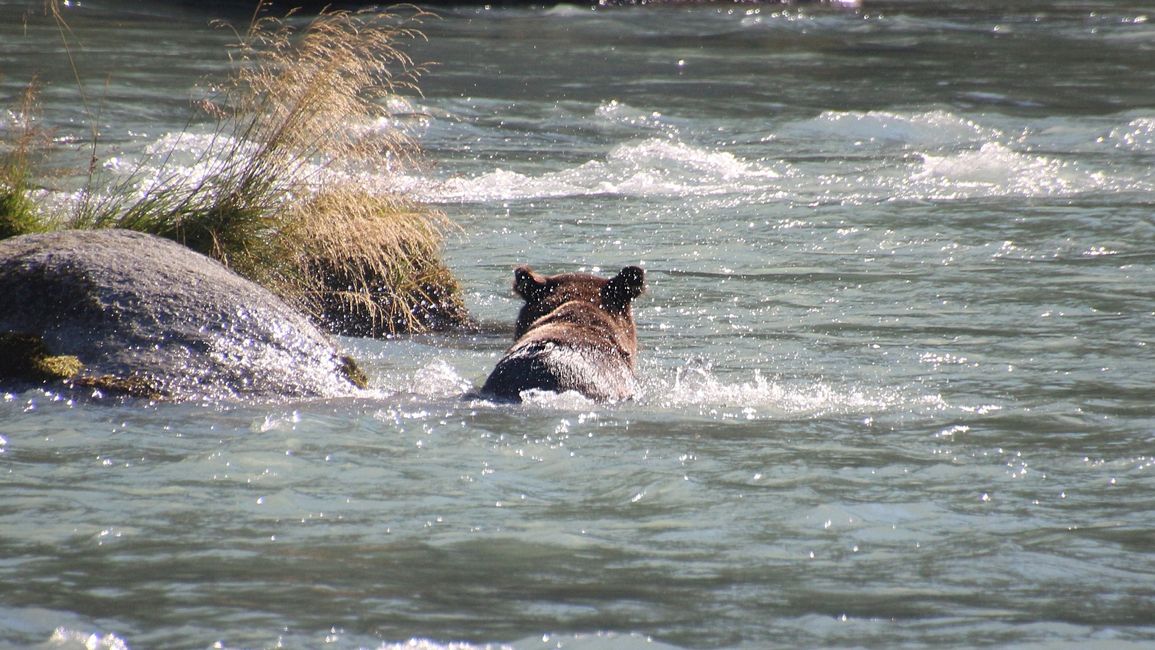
<point x="135" y="306"/>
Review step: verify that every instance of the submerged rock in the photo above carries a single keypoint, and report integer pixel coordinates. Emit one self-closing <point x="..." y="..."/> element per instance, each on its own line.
<point x="147" y="316"/>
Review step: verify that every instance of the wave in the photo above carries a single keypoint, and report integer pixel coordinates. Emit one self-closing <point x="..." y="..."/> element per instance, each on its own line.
<point x="65" y="638"/>
<point x="926" y="129"/>
<point x="835" y="156"/>
<point x="840" y="156"/>
<point x="429" y="644"/>
<point x="939" y="155"/>
<point x="590" y="641"/>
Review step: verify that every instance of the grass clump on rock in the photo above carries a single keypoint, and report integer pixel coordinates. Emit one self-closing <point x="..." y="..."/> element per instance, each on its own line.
<point x="309" y="103"/>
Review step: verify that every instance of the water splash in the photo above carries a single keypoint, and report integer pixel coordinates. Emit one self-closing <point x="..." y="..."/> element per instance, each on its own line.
<point x="567" y="401"/>
<point x="617" y="114"/>
<point x="439" y="379"/>
<point x="760" y="397"/>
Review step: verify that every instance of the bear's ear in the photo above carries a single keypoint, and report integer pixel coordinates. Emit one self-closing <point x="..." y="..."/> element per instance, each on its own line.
<point x="628" y="284"/>
<point x="528" y="284"/>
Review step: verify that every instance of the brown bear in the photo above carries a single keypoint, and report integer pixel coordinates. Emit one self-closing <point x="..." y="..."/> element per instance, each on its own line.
<point x="575" y="332"/>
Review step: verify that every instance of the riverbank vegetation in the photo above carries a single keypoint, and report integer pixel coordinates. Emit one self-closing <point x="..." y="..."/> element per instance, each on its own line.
<point x="19" y="214"/>
<point x="274" y="195"/>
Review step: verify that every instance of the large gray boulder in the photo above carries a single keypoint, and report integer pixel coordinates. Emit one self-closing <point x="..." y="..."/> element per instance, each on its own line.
<point x="136" y="307"/>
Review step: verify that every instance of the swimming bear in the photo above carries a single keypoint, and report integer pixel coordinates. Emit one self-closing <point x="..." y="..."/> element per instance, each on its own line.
<point x="575" y="332"/>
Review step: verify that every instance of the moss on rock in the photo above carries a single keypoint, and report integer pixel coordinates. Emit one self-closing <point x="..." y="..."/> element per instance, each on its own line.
<point x="351" y="369"/>
<point x="128" y="386"/>
<point x="24" y="357"/>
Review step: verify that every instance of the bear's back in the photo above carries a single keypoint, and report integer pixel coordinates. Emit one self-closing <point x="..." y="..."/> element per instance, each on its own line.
<point x="575" y="332"/>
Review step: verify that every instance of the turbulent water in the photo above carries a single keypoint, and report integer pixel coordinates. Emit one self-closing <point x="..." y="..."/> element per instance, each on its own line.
<point x="896" y="351"/>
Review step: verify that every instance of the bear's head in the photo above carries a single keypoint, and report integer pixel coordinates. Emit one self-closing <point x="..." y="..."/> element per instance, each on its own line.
<point x="545" y="293"/>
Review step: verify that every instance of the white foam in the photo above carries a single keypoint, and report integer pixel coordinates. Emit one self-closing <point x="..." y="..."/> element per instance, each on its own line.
<point x="993" y="170"/>
<point x="74" y="639"/>
<point x="651" y="167"/>
<point x="927" y="155"/>
<point x="939" y="155"/>
<point x="1137" y="136"/>
<point x="428" y="644"/>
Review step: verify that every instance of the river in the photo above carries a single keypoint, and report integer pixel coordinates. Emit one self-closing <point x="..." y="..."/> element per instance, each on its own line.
<point x="896" y="351"/>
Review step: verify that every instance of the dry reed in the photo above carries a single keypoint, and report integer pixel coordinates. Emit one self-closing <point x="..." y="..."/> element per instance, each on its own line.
<point x="22" y="140"/>
<point x="305" y="104"/>
<point x="369" y="265"/>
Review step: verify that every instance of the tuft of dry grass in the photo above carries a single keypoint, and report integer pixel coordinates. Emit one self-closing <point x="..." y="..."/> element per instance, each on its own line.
<point x="307" y="102"/>
<point x="307" y="85"/>
<point x="369" y="265"/>
<point x="299" y="103"/>
<point x="21" y="140"/>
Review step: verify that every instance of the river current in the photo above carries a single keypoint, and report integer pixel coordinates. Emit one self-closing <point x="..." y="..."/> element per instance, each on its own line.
<point x="895" y="350"/>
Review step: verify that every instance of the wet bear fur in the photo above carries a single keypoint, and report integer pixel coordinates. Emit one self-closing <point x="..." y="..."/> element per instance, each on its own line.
<point x="575" y="332"/>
